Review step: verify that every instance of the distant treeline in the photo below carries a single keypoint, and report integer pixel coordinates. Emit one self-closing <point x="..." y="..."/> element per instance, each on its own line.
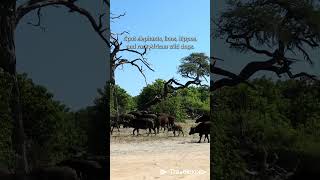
<point x="53" y="132"/>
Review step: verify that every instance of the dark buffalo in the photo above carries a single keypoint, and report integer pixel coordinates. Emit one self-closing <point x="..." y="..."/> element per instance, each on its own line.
<point x="171" y="120"/>
<point x="142" y="123"/>
<point x="162" y="114"/>
<point x="162" y="121"/>
<point x="103" y="161"/>
<point x="177" y="127"/>
<point x="114" y="123"/>
<point x="150" y="115"/>
<point x="202" y="128"/>
<point x="136" y="113"/>
<point x="53" y="173"/>
<point x="203" y="118"/>
<point x="86" y="169"/>
<point x="144" y="112"/>
<point x="125" y="119"/>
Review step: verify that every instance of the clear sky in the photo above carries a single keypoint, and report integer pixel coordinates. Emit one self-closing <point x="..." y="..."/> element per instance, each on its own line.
<point x="69" y="58"/>
<point x="160" y="18"/>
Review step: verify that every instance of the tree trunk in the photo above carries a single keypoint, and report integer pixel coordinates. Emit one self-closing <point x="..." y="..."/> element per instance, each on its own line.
<point x="8" y="64"/>
<point x="19" y="139"/>
<point x="113" y="91"/>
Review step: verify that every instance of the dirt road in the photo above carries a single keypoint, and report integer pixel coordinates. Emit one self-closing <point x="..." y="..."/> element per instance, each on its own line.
<point x="159" y="157"/>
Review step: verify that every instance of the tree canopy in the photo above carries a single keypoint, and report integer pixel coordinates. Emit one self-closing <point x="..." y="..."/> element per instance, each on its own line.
<point x="280" y="31"/>
<point x="258" y="133"/>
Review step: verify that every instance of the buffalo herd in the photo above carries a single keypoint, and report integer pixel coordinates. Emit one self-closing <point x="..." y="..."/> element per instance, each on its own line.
<point x="154" y="122"/>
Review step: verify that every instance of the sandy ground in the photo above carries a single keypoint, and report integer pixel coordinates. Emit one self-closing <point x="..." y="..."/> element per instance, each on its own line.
<point x="159" y="157"/>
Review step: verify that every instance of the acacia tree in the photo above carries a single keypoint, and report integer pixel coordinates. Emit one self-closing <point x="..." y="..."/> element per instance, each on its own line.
<point x="194" y="67"/>
<point x="279" y="30"/>
<point x="282" y="31"/>
<point x="11" y="14"/>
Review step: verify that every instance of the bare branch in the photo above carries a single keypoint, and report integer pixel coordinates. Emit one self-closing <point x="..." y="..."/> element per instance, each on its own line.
<point x="172" y="86"/>
<point x="133" y="63"/>
<point x="31" y="5"/>
<point x="246" y="44"/>
<point x="305" y="54"/>
<point x="118" y="16"/>
<point x="117" y="61"/>
<point x="38" y="24"/>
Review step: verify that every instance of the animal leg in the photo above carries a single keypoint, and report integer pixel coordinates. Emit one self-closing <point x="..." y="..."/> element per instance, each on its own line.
<point x="112" y="129"/>
<point x="200" y="138"/>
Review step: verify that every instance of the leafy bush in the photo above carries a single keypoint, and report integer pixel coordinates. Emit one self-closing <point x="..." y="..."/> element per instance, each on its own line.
<point x="277" y="116"/>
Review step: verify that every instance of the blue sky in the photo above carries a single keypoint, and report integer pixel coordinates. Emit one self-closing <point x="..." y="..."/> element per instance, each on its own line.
<point x="160" y="18"/>
<point x="69" y="58"/>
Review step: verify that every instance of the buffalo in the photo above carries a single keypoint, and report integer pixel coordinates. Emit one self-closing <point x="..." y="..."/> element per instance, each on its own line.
<point x="177" y="127"/>
<point x="103" y="161"/>
<point x="125" y="119"/>
<point x="114" y="123"/>
<point x="136" y="113"/>
<point x="202" y="128"/>
<point x="171" y="120"/>
<point x="149" y="115"/>
<point x="53" y="173"/>
<point x="142" y="123"/>
<point x="86" y="169"/>
<point x="162" y="121"/>
<point x="203" y="118"/>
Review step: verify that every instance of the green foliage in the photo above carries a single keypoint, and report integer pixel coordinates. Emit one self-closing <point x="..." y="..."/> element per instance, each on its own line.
<point x="125" y="101"/>
<point x="6" y="153"/>
<point x="192" y="98"/>
<point x="98" y="122"/>
<point x="50" y="128"/>
<point x="149" y="92"/>
<point x="196" y="64"/>
<point x="172" y="106"/>
<point x="195" y="99"/>
<point x="277" y="116"/>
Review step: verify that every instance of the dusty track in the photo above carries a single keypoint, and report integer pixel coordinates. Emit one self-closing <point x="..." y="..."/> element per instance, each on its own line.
<point x="159" y="157"/>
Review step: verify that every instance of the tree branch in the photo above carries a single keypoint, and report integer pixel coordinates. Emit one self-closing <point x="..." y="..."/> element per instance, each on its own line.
<point x="38" y="24"/>
<point x="31" y="5"/>
<point x="252" y="68"/>
<point x="133" y="63"/>
<point x="169" y="88"/>
<point x="117" y="61"/>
